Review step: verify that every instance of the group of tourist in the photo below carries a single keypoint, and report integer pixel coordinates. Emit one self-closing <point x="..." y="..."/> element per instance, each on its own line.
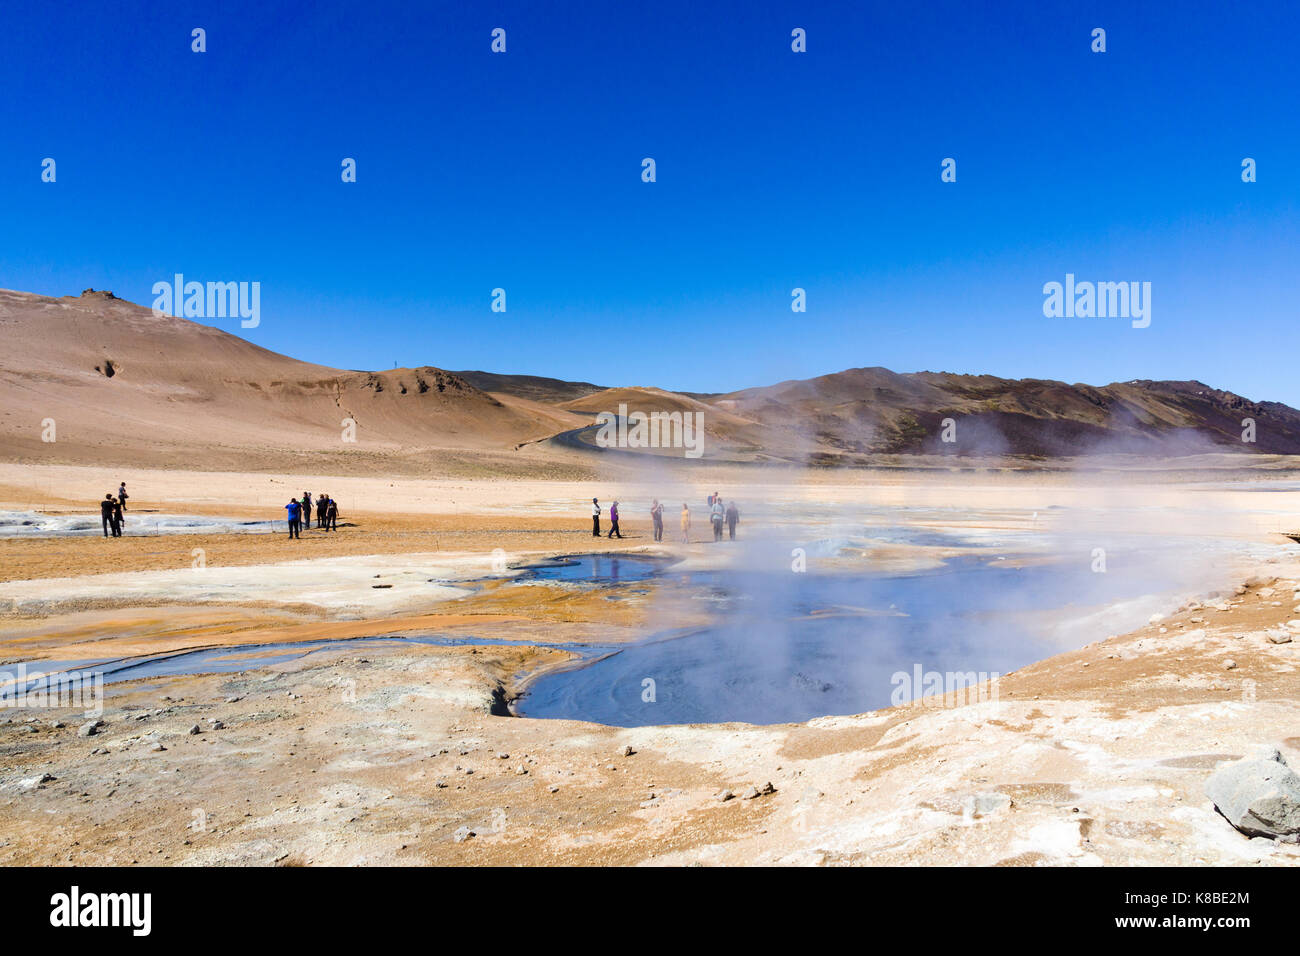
<point x="110" y="512"/>
<point x="299" y="512"/>
<point x="719" y="515"/>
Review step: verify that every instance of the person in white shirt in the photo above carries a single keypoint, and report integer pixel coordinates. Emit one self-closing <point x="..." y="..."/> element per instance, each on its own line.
<point x="595" y="518"/>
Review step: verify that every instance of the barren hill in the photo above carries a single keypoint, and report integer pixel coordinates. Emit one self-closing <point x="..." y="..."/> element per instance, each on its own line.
<point x="112" y="383"/>
<point x="872" y="410"/>
<point x="120" y="384"/>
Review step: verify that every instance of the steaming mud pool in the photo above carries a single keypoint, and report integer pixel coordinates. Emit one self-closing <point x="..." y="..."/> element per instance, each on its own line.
<point x="792" y="647"/>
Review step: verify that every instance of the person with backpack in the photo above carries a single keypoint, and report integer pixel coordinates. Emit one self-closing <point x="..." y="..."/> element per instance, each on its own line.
<point x="293" y="508"/>
<point x="322" y="508"/>
<point x="332" y="516"/>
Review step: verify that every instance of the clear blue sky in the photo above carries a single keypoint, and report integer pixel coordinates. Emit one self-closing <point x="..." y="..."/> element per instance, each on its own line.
<point x="775" y="170"/>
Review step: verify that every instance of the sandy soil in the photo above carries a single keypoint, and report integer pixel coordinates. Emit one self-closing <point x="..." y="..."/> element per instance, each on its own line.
<point x="381" y="755"/>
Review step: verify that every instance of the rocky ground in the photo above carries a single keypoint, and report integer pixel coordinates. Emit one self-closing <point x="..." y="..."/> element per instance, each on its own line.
<point x="402" y="754"/>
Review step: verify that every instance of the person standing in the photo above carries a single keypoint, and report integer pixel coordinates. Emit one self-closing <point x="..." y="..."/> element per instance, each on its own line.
<point x="657" y="516"/>
<point x="686" y="524"/>
<point x="733" y="518"/>
<point x="322" y="506"/>
<point x="106" y="513"/>
<point x="117" y="521"/>
<point x="293" y="508"/>
<point x="306" y="511"/>
<point x="122" y="495"/>
<point x="332" y="516"/>
<point x="595" y="518"/>
<point x="613" y="521"/>
<point x="716" y="514"/>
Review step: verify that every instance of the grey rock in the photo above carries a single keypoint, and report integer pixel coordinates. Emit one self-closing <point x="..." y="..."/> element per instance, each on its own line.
<point x="196" y="729"/>
<point x="88" y="729"/>
<point x="1259" y="795"/>
<point x="1278" y="637"/>
<point x="725" y="795"/>
<point x="462" y="834"/>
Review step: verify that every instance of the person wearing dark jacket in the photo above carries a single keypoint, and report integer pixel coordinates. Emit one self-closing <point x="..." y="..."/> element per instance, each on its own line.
<point x="306" y="511"/>
<point x="733" y="518"/>
<point x="657" y="516"/>
<point x="106" y="513"/>
<point x="332" y="516"/>
<point x="117" y="520"/>
<point x="322" y="507"/>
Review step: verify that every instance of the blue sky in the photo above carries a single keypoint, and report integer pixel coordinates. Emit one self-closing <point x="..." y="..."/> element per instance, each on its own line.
<point x="775" y="170"/>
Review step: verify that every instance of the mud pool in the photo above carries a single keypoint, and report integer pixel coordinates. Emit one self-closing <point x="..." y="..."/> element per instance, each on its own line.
<point x="791" y="647"/>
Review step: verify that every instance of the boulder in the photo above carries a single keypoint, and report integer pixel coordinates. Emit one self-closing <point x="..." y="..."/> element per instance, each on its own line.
<point x="1259" y="795"/>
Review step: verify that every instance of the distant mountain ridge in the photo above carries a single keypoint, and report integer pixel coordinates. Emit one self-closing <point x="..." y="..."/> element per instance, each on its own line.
<point x="118" y="382"/>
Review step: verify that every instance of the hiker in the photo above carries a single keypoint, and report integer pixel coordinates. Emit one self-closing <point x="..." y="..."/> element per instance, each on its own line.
<point x="322" y="507"/>
<point x="613" y="521"/>
<point x="733" y="518"/>
<point x="686" y="524"/>
<point x="106" y="512"/>
<point x="332" y="516"/>
<point x="293" y="508"/>
<point x="122" y="495"/>
<point x="595" y="518"/>
<point x="657" y="516"/>
<point x="117" y="521"/>
<point x="306" y="511"/>
<point x="716" y="514"/>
